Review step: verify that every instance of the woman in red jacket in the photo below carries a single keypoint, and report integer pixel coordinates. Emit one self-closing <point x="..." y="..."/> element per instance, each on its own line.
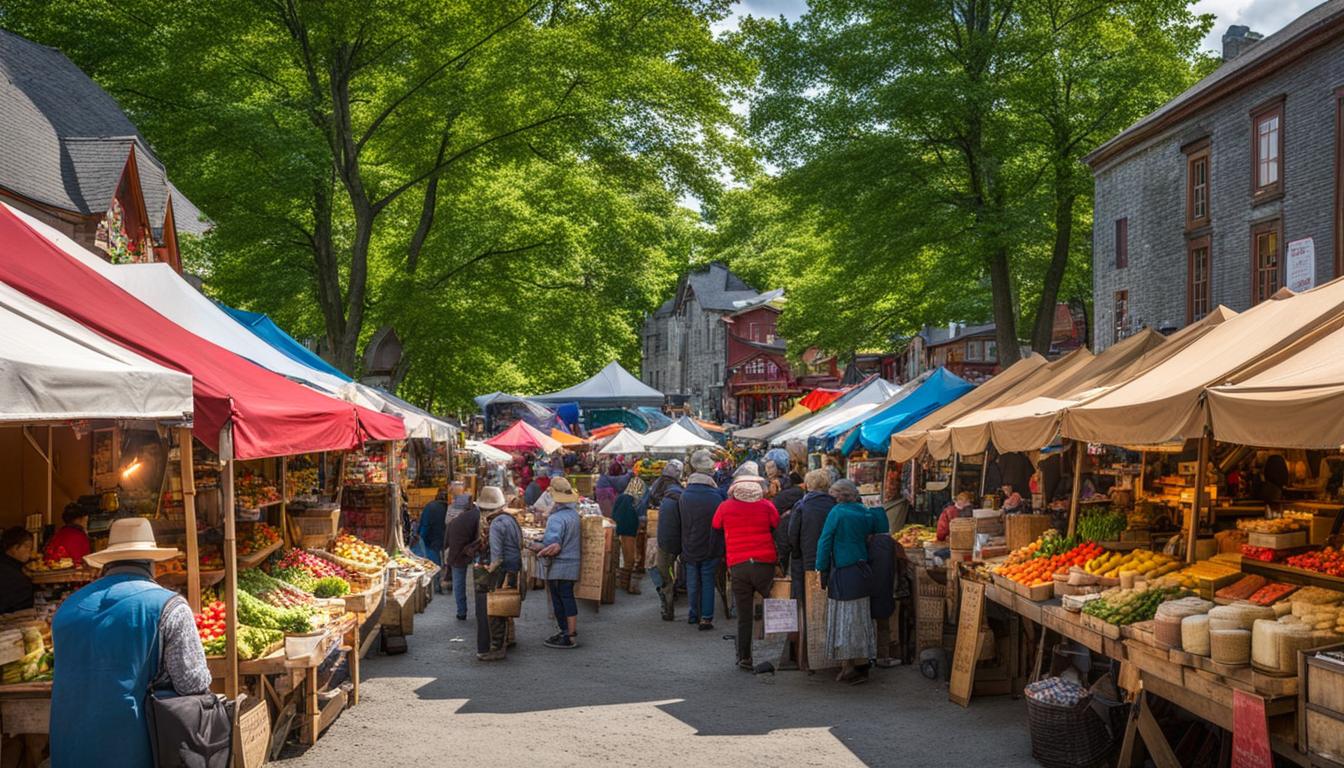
<point x="748" y="523"/>
<point x="72" y="540"/>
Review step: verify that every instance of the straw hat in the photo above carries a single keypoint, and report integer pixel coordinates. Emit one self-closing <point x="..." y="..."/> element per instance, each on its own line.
<point x="561" y="491"/>
<point x="131" y="538"/>
<point x="491" y="498"/>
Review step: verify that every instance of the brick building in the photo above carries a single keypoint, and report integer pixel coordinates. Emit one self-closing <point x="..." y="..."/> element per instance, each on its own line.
<point x="70" y="157"/>
<point x="1229" y="191"/>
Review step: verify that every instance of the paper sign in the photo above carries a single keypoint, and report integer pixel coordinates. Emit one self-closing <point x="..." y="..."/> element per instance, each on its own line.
<point x="1301" y="265"/>
<point x="1250" y="731"/>
<point x="781" y="616"/>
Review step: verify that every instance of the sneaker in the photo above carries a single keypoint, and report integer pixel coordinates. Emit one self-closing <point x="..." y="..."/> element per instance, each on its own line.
<point x="497" y="655"/>
<point x="557" y="637"/>
<point x="564" y="642"/>
<point x="692" y="620"/>
<point x="746" y="664"/>
<point x="461" y="617"/>
<point x="706" y="626"/>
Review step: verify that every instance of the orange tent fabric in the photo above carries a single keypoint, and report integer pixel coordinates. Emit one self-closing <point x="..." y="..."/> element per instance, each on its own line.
<point x="605" y="431"/>
<point x="564" y="438"/>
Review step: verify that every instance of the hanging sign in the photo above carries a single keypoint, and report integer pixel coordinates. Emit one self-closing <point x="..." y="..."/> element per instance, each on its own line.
<point x="1301" y="265"/>
<point x="1250" y="731"/>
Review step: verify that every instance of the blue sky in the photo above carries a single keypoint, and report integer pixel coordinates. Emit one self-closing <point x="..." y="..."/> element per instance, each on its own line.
<point x="1264" y="16"/>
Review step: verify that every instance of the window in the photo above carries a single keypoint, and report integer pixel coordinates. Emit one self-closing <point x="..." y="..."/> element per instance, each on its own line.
<point x="1121" y="315"/>
<point x="1121" y="243"/>
<point x="1197" y="185"/>
<point x="973" y="353"/>
<point x="1198" y="294"/>
<point x="1267" y="150"/>
<point x="991" y="351"/>
<point x="1266" y="259"/>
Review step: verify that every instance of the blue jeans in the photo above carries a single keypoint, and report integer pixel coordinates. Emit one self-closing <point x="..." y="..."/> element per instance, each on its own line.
<point x="460" y="589"/>
<point x="562" y="600"/>
<point x="700" y="586"/>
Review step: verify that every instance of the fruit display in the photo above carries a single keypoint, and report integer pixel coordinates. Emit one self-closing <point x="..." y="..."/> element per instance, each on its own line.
<point x="211" y="558"/>
<point x="357" y="550"/>
<point x="210" y="625"/>
<point x="1054" y="543"/>
<point x="301" y="477"/>
<point x="175" y="567"/>
<point x="1144" y="562"/>
<point x="1328" y="560"/>
<point x="1126" y="606"/>
<point x="1196" y="575"/>
<point x="1105" y="524"/>
<point x="1263" y="554"/>
<point x="1041" y="570"/>
<point x="252" y="642"/>
<point x="251" y="491"/>
<point x="259" y="538"/>
<point x="649" y="469"/>
<point x="257" y="613"/>
<point x="315" y="566"/>
<point x="1284" y="524"/>
<point x="52" y="561"/>
<point x="914" y="535"/>
<point x="273" y="591"/>
<point x="35" y="665"/>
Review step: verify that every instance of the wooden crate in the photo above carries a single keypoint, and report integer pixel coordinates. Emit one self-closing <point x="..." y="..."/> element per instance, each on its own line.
<point x="1321" y="727"/>
<point x="251" y="732"/>
<point x="1021" y="530"/>
<point x="961" y="534"/>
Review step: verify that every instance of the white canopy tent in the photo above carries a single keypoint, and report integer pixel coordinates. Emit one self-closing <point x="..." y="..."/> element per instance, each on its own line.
<point x="54" y="369"/>
<point x="625" y="441"/>
<point x="674" y="439"/>
<point x="611" y="387"/>
<point x="164" y="291"/>
<point x="488" y="452"/>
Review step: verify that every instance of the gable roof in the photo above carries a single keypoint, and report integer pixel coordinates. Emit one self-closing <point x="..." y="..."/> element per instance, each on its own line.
<point x="965" y="333"/>
<point x="64" y="141"/>
<point x="1302" y="35"/>
<point x="613" y="386"/>
<point x="716" y="288"/>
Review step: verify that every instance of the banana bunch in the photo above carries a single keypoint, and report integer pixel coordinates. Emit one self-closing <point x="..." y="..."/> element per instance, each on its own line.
<point x="1142" y="561"/>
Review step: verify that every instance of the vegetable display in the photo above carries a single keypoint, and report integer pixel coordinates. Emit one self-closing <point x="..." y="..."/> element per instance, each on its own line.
<point x="252" y="642"/>
<point x="359" y="551"/>
<point x="1126" y="606"/>
<point x="317" y="567"/>
<point x="1102" y="525"/>
<point x="1041" y="570"/>
<point x="331" y="586"/>
<point x="1142" y="561"/>
<point x="1328" y="560"/>
<point x="256" y="613"/>
<point x="296" y="576"/>
<point x="273" y="591"/>
<point x="260" y="537"/>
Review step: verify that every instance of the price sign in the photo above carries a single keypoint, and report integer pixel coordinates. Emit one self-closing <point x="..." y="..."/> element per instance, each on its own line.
<point x="1250" y="731"/>
<point x="781" y="616"/>
<point x="1301" y="265"/>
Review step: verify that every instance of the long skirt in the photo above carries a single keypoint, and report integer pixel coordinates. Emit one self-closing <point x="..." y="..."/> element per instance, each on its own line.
<point x="849" y="630"/>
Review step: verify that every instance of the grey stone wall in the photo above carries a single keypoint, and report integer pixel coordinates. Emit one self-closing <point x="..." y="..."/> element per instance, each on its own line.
<point x="1147" y="185"/>
<point x="692" y="358"/>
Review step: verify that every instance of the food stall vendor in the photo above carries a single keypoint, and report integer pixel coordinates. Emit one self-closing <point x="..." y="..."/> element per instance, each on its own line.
<point x="72" y="540"/>
<point x="16" y="590"/>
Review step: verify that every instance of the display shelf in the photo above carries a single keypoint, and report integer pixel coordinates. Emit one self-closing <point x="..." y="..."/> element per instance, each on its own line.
<point x="1291" y="574"/>
<point x="258" y="557"/>
<point x="63" y="576"/>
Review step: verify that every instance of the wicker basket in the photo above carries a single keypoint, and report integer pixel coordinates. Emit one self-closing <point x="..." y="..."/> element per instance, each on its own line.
<point x="1077" y="736"/>
<point x="927" y="586"/>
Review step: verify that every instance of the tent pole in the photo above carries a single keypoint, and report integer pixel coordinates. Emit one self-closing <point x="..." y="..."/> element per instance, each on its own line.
<point x="984" y="471"/>
<point x="956" y="465"/>
<point x="284" y="500"/>
<point x="1201" y="476"/>
<point x="230" y="567"/>
<point x="1143" y="471"/>
<point x="49" y="475"/>
<point x="186" y="465"/>
<point x="1078" y="449"/>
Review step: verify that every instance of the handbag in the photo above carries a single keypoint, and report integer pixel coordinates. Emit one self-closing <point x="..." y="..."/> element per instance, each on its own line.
<point x="504" y="602"/>
<point x="193" y="731"/>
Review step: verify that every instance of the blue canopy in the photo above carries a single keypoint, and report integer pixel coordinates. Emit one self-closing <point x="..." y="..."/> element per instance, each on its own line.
<point x="876" y="429"/>
<point x="261" y="326"/>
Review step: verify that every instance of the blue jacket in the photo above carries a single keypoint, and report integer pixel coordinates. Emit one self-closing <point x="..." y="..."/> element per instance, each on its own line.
<point x="700" y="542"/>
<point x="669" y="520"/>
<point x="506" y="540"/>
<point x="432" y="525"/>
<point x="107" y="637"/>
<point x="624" y="515"/>
<point x="844" y="539"/>
<point x="563" y="528"/>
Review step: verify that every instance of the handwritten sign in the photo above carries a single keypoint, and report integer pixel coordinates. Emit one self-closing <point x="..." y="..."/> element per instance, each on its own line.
<point x="781" y="616"/>
<point x="592" y="557"/>
<point x="1250" y="731"/>
<point x="968" y="642"/>
<point x="1301" y="262"/>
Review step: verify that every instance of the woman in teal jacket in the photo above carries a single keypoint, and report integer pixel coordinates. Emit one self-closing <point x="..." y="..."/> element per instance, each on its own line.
<point x="842" y="560"/>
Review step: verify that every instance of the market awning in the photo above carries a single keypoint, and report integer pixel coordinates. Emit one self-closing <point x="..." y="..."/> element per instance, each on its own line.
<point x="523" y="437"/>
<point x="874" y="432"/>
<point x="488" y="452"/>
<point x="773" y="427"/>
<point x="605" y="431"/>
<point x="1166" y="401"/>
<point x="674" y="439"/>
<point x="611" y="387"/>
<point x="909" y="442"/>
<point x="567" y="440"/>
<point x="54" y="369"/>
<point x="265" y="329"/>
<point x="625" y="440"/>
<point x="269" y="415"/>
<point x="693" y="426"/>
<point x="821" y="397"/>
<point x="858" y="401"/>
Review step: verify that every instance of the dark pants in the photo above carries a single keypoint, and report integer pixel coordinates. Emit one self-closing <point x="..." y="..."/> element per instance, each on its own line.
<point x="562" y="599"/>
<point x="749" y="579"/>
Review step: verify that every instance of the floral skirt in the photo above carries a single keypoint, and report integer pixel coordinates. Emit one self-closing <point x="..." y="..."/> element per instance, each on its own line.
<point x="849" y="630"/>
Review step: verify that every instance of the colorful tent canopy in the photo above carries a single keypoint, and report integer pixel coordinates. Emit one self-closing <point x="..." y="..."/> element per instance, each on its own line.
<point x="565" y="439"/>
<point x="605" y="431"/>
<point x="874" y="432"/>
<point x="773" y="427"/>
<point x="674" y="438"/>
<point x="860" y="400"/>
<point x="611" y="387"/>
<point x="523" y="437"/>
<point x="266" y="330"/>
<point x="1166" y="401"/>
<point x="625" y="440"/>
<point x="269" y="415"/>
<point x="821" y="397"/>
<point x="54" y="369"/>
<point x="487" y="452"/>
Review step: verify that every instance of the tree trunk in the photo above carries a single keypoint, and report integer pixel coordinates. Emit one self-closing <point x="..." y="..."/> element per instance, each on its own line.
<point x="1065" y="198"/>
<point x="329" y="296"/>
<point x="1005" y="318"/>
<point x="359" y="281"/>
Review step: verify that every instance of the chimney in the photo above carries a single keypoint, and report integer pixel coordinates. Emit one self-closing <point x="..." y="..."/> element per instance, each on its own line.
<point x="1237" y="40"/>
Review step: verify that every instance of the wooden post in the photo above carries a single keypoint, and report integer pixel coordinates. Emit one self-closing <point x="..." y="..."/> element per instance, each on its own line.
<point x="284" y="500"/>
<point x="984" y="472"/>
<point x="952" y="484"/>
<point x="1201" y="477"/>
<point x="186" y="462"/>
<point x="230" y="567"/>
<point x="49" y="477"/>
<point x="1143" y="473"/>
<point x="1079" y="448"/>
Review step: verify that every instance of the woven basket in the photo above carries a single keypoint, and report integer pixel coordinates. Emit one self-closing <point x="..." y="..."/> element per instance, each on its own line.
<point x="504" y="602"/>
<point x="1074" y="737"/>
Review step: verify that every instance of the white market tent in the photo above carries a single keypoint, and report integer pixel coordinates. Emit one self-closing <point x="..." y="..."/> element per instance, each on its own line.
<point x="674" y="439"/>
<point x="163" y="290"/>
<point x="54" y="369"/>
<point x="488" y="452"/>
<point x="611" y="387"/>
<point x="625" y="441"/>
<point x="855" y="405"/>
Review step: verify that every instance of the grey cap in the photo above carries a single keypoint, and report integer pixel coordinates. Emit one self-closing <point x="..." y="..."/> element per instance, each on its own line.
<point x="702" y="461"/>
<point x="673" y="469"/>
<point x="844" y="487"/>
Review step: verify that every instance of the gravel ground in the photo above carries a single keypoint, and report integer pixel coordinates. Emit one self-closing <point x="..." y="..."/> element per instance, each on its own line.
<point x="642" y="692"/>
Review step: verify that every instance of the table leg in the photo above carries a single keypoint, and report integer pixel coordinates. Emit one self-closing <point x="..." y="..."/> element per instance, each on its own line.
<point x="352" y="640"/>
<point x="1154" y="740"/>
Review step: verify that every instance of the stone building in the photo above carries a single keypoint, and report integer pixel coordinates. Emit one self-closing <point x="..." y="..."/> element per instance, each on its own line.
<point x="1230" y="191"/>
<point x="70" y="157"/>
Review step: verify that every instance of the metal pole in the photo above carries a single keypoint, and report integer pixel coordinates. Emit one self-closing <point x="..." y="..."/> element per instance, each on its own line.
<point x="1078" y="449"/>
<point x="284" y="500"/>
<point x="1200" y="478"/>
<point x="49" y="477"/>
<point x="230" y="568"/>
<point x="186" y="462"/>
<point x="984" y="471"/>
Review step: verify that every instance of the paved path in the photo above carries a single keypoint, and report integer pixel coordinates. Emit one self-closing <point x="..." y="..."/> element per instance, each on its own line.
<point x="642" y="692"/>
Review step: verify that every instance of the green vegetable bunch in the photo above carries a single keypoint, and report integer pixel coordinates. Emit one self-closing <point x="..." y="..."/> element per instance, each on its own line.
<point x="255" y="613"/>
<point x="1103" y="525"/>
<point x="1126" y="606"/>
<point x="1052" y="543"/>
<point x="331" y="586"/>
<point x="296" y="576"/>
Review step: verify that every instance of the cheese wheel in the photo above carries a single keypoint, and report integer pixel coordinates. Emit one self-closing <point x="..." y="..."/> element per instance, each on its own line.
<point x="1230" y="646"/>
<point x="1195" y="634"/>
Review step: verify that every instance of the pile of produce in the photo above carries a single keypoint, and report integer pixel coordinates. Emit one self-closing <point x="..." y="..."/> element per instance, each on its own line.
<point x="1105" y="524"/>
<point x="300" y="479"/>
<point x="914" y="535"/>
<point x="278" y="593"/>
<point x="259" y="538"/>
<point x="1242" y="588"/>
<point x="1126" y="606"/>
<point x="210" y="558"/>
<point x="1263" y="554"/>
<point x="296" y="576"/>
<point x="1272" y="593"/>
<point x="406" y="561"/>
<point x="1149" y="564"/>
<point x="257" y="613"/>
<point x="357" y="550"/>
<point x="1041" y="570"/>
<point x="36" y="663"/>
<point x="252" y="642"/>
<point x="251" y="490"/>
<point x="315" y="566"/>
<point x="331" y="586"/>
<point x="1054" y="543"/>
<point x="1192" y="575"/>
<point x="1329" y="561"/>
<point x="1276" y="525"/>
<point x="649" y="469"/>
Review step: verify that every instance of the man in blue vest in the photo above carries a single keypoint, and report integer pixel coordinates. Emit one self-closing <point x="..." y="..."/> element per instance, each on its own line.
<point x="112" y="639"/>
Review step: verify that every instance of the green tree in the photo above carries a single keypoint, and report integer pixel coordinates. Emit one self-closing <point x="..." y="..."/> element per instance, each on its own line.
<point x="941" y="140"/>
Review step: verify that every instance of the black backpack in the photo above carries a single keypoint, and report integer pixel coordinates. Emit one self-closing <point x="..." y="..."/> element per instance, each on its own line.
<point x="194" y="731"/>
